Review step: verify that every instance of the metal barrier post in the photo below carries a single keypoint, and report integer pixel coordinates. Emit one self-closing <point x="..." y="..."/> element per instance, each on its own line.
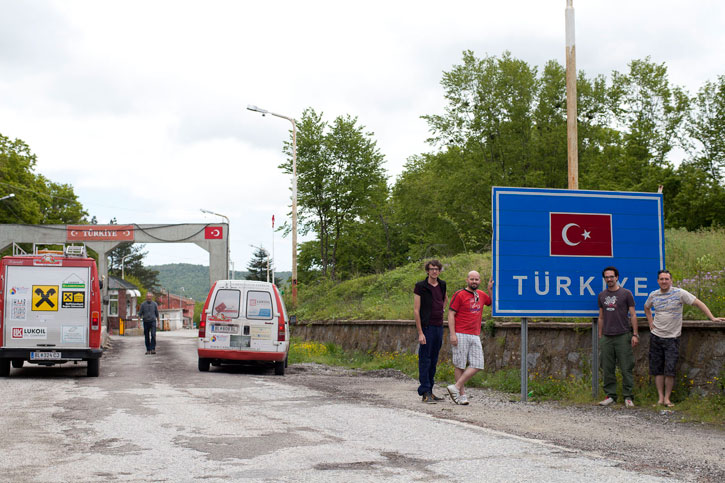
<point x="595" y="358"/>
<point x="524" y="357"/>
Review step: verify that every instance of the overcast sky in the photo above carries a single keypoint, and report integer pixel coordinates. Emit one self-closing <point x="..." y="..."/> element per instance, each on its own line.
<point x="140" y="105"/>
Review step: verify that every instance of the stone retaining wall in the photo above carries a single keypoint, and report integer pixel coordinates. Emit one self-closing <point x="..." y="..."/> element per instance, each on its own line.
<point x="555" y="349"/>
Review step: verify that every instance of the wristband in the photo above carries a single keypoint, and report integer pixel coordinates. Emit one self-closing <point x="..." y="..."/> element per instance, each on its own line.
<point x="635" y="335"/>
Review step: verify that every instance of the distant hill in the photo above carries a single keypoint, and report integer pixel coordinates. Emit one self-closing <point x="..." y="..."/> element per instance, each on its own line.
<point x="194" y="279"/>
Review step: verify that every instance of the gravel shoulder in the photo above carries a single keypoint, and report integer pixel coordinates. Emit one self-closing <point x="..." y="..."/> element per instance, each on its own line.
<point x="656" y="443"/>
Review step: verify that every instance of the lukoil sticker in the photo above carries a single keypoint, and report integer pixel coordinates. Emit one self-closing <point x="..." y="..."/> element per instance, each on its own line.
<point x="29" y="333"/>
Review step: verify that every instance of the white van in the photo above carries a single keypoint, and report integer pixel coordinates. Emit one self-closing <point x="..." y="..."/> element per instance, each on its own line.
<point x="244" y="321"/>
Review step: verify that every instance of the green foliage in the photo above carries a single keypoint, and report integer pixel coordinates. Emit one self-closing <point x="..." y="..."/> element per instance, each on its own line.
<point x="127" y="259"/>
<point x="389" y="296"/>
<point x="386" y="296"/>
<point x="341" y="186"/>
<point x="37" y="200"/>
<point x="260" y="266"/>
<point x="697" y="263"/>
<point x="194" y="279"/>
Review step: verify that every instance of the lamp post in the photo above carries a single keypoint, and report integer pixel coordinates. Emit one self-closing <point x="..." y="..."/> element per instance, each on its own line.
<point x="181" y="306"/>
<point x="123" y="267"/>
<point x="294" y="195"/>
<point x="229" y="241"/>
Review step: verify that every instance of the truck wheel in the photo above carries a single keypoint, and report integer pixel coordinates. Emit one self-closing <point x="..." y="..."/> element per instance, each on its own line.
<point x="4" y="367"/>
<point x="204" y="364"/>
<point x="18" y="363"/>
<point x="94" y="367"/>
<point x="279" y="368"/>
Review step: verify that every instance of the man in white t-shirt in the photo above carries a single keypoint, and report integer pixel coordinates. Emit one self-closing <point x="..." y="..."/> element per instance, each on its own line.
<point x="665" y="329"/>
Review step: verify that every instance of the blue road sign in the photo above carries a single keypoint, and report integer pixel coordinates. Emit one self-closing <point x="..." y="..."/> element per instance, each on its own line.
<point x="550" y="247"/>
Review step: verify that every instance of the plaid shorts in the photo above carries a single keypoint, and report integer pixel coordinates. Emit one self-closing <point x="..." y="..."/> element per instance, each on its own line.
<point x="663" y="353"/>
<point x="469" y="350"/>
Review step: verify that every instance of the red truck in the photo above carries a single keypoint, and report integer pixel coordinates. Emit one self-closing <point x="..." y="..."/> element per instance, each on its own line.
<point x="50" y="310"/>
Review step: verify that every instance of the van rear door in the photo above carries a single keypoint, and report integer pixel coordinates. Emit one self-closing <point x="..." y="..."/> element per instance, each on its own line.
<point x="46" y="307"/>
<point x="260" y="323"/>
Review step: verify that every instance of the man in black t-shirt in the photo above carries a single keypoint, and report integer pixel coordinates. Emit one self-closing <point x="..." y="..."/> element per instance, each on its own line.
<point x="429" y="300"/>
<point x="618" y="335"/>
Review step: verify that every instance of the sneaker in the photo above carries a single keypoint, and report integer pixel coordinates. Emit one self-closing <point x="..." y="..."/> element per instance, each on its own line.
<point x="455" y="394"/>
<point x="148" y="352"/>
<point x="628" y="403"/>
<point x="463" y="400"/>
<point x="435" y="398"/>
<point x="428" y="398"/>
<point x="153" y="351"/>
<point x="607" y="402"/>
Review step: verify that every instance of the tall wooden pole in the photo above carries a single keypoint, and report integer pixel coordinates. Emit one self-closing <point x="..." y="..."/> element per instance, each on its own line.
<point x="571" y="111"/>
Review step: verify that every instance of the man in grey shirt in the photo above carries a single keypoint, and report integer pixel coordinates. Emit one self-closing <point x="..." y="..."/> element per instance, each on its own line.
<point x="149" y="313"/>
<point x="665" y="330"/>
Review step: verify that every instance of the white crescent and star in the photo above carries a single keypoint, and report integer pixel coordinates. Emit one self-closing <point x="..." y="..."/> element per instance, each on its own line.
<point x="586" y="235"/>
<point x="215" y="232"/>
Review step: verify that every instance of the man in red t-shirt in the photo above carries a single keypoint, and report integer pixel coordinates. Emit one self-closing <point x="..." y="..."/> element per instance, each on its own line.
<point x="464" y="323"/>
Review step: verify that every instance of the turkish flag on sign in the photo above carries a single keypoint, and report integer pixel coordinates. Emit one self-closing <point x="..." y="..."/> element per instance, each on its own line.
<point x="580" y="235"/>
<point x="213" y="233"/>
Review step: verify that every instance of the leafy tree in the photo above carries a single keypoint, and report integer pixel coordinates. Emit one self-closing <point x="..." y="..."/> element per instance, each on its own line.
<point x="706" y="128"/>
<point x="37" y="200"/>
<point x="260" y="265"/>
<point x="127" y="258"/>
<point x="340" y="181"/>
<point x="650" y="114"/>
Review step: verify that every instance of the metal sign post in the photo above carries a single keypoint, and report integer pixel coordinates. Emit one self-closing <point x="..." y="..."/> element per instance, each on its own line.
<point x="595" y="357"/>
<point x="524" y="358"/>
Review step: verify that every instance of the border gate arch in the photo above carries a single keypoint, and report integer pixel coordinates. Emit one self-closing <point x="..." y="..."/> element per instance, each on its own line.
<point x="103" y="238"/>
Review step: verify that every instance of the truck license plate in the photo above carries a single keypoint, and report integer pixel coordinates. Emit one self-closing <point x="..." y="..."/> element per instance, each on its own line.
<point x="44" y="356"/>
<point x="225" y="329"/>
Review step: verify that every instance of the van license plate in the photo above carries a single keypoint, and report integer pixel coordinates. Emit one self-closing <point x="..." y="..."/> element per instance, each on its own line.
<point x="44" y="356"/>
<point x="225" y="329"/>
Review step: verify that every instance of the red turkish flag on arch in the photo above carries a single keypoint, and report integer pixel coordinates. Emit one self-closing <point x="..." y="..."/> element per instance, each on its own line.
<point x="213" y="233"/>
<point x="580" y="235"/>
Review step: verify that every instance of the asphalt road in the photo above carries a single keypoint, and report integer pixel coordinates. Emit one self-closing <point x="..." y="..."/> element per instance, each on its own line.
<point x="157" y="418"/>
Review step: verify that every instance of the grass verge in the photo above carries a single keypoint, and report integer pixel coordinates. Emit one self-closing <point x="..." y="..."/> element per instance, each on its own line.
<point x="572" y="390"/>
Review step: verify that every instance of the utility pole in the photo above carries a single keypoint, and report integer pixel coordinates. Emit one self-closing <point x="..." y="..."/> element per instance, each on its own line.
<point x="571" y="111"/>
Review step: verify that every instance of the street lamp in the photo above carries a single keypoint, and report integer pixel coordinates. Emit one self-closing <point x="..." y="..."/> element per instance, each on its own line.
<point x="294" y="195"/>
<point x="229" y="241"/>
<point x="123" y="268"/>
<point x="11" y="195"/>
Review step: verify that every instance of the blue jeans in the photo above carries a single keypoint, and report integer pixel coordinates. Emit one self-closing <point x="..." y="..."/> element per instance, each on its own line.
<point x="428" y="357"/>
<point x="149" y="334"/>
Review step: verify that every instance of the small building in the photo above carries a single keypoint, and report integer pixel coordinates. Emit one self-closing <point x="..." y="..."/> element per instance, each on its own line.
<point x="123" y="299"/>
<point x="169" y="301"/>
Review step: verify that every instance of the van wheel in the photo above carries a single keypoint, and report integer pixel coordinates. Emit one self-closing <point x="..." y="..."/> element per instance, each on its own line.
<point x="279" y="368"/>
<point x="94" y="367"/>
<point x="4" y="367"/>
<point x="204" y="364"/>
<point x="18" y="363"/>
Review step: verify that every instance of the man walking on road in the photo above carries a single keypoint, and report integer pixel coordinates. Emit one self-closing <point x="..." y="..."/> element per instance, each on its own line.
<point x="464" y="324"/>
<point x="665" y="330"/>
<point x="429" y="299"/>
<point x="149" y="313"/>
<point x="618" y="336"/>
